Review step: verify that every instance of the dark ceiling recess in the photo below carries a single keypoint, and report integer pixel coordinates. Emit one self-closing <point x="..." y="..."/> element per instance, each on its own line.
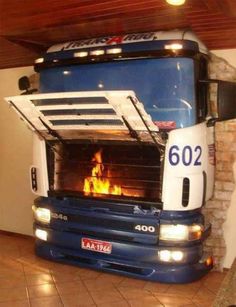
<point x="28" y="27"/>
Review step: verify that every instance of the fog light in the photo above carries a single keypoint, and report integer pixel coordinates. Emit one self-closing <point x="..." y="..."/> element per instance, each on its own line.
<point x="41" y="234"/>
<point x="170" y="256"/>
<point x="177" y="255"/>
<point x="165" y="255"/>
<point x="42" y="215"/>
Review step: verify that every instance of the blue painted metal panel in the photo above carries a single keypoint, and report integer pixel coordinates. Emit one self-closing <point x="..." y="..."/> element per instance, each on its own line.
<point x="178" y="273"/>
<point x="126" y="48"/>
<point x="165" y="86"/>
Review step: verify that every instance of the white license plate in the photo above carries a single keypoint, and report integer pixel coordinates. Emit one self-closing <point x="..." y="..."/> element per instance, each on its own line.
<point x="96" y="245"/>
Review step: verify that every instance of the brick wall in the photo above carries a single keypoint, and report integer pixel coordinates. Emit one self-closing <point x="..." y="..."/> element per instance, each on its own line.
<point x="225" y="138"/>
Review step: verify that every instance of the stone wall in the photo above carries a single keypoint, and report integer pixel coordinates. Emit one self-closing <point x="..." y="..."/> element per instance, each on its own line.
<point x="225" y="137"/>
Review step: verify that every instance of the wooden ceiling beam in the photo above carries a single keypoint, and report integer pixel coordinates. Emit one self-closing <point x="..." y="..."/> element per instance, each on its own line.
<point x="34" y="25"/>
<point x="34" y="19"/>
<point x="228" y="7"/>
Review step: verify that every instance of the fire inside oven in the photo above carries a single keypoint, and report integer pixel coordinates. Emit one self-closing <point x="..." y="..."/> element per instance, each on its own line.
<point x="106" y="171"/>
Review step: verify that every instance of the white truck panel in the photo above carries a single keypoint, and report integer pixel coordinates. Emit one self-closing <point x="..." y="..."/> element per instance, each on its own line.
<point x="187" y="156"/>
<point x="40" y="163"/>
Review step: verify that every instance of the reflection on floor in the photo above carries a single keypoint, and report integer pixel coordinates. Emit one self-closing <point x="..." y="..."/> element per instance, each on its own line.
<point x="26" y="280"/>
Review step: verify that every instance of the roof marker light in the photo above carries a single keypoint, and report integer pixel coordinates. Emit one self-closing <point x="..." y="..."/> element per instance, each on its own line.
<point x="97" y="52"/>
<point x="81" y="54"/>
<point x="66" y="72"/>
<point x="114" y="51"/>
<point x="39" y="60"/>
<point x="174" y="46"/>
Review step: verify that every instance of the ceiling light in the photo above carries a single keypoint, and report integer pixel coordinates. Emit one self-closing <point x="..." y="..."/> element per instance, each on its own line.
<point x="176" y="2"/>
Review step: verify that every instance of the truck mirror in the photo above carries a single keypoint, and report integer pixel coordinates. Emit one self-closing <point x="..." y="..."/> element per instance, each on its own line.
<point x="224" y="105"/>
<point x="226" y="100"/>
<point x="23" y="83"/>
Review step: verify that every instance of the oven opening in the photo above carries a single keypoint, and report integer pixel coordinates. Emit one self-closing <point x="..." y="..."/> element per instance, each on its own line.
<point x="108" y="171"/>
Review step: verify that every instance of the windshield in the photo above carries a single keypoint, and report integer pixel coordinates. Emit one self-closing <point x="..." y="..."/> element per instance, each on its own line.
<point x="165" y="86"/>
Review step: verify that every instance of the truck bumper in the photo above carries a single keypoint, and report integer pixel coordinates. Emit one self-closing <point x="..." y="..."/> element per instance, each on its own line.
<point x="66" y="247"/>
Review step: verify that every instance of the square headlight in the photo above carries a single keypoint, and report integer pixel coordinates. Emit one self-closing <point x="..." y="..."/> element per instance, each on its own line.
<point x="180" y="232"/>
<point x="42" y="215"/>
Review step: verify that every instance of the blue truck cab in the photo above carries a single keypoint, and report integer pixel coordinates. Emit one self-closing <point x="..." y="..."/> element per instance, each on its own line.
<point x="123" y="154"/>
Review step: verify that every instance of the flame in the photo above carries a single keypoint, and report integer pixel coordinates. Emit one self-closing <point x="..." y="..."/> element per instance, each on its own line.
<point x="96" y="184"/>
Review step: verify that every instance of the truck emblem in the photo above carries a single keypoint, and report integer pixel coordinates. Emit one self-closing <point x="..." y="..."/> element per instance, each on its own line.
<point x="59" y="216"/>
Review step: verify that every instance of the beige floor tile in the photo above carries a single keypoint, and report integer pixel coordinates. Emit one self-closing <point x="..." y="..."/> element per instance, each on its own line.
<point x="21" y="303"/>
<point x="133" y="293"/>
<point x="186" y="290"/>
<point x="52" y="301"/>
<point x="121" y="303"/>
<point x="202" y="303"/>
<point x="14" y="294"/>
<point x="156" y="287"/>
<point x="133" y="283"/>
<point x="31" y="269"/>
<point x="26" y="249"/>
<point x="42" y="291"/>
<point x="216" y="276"/>
<point x="46" y="264"/>
<point x="105" y="297"/>
<point x="9" y="273"/>
<point x="146" y="301"/>
<point x="28" y="258"/>
<point x="85" y="274"/>
<point x="10" y="267"/>
<point x="63" y="268"/>
<point x="111" y="278"/>
<point x="173" y="300"/>
<point x="10" y="282"/>
<point x="204" y="294"/>
<point x="98" y="285"/>
<point x="10" y="251"/>
<point x="70" y="287"/>
<point x="77" y="300"/>
<point x="213" y="281"/>
<point x="39" y="279"/>
<point x="59" y="277"/>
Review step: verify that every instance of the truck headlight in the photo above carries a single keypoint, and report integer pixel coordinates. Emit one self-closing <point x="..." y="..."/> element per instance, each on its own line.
<point x="170" y="256"/>
<point x="180" y="232"/>
<point x="42" y="215"/>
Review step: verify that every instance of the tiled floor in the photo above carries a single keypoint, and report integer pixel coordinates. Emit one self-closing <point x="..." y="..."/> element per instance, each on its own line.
<point x="26" y="280"/>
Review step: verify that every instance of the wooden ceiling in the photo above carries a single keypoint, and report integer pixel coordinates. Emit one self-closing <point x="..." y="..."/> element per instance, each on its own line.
<point x="28" y="27"/>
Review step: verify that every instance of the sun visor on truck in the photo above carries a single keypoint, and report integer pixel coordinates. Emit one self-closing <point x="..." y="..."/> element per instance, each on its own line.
<point x="79" y="115"/>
